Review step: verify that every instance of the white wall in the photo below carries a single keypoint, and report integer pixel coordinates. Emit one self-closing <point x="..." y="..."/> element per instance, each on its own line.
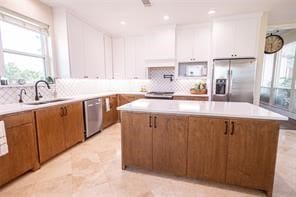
<point x="260" y="59"/>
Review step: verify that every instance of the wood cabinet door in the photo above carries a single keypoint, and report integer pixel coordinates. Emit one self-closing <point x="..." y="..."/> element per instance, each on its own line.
<point x="252" y="153"/>
<point x="113" y="101"/>
<point x="50" y="132"/>
<point x="110" y="117"/>
<point x="127" y="98"/>
<point x="136" y="133"/>
<point x="192" y="98"/>
<point x="22" y="152"/>
<point x="170" y="134"/>
<point x="207" y="148"/>
<point x="73" y="124"/>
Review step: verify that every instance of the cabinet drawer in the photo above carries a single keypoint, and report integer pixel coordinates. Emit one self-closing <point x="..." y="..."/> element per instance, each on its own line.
<point x="18" y="119"/>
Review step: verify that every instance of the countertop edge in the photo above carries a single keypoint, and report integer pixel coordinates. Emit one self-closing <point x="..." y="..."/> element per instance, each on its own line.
<point x="202" y="114"/>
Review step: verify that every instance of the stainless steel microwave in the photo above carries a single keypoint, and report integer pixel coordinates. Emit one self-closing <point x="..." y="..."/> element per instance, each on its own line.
<point x="193" y="69"/>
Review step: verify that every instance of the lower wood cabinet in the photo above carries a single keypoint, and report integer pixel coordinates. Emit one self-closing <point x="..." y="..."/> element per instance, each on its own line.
<point x="22" y="146"/>
<point x="110" y="117"/>
<point x="58" y="128"/>
<point x="235" y="151"/>
<point x="252" y="147"/>
<point x="192" y="98"/>
<point x="239" y="152"/>
<point x="127" y="98"/>
<point x="170" y="143"/>
<point x="154" y="141"/>
<point x="207" y="148"/>
<point x="136" y="140"/>
<point x="73" y="124"/>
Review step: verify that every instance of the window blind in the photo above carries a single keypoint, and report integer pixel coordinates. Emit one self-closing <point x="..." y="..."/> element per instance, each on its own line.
<point x="23" y="21"/>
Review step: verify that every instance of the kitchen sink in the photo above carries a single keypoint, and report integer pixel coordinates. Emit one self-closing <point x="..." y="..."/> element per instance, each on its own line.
<point x="47" y="101"/>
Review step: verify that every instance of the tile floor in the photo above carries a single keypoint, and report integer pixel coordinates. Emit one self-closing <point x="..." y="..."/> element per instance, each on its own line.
<point x="93" y="168"/>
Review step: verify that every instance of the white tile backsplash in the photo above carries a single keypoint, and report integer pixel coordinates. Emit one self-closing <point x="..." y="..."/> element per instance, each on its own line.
<point x="73" y="87"/>
<point x="159" y="83"/>
<point x="10" y="94"/>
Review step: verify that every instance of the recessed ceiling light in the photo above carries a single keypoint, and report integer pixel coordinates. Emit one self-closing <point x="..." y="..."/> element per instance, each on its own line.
<point x="166" y="17"/>
<point x="122" y="22"/>
<point x="211" y="12"/>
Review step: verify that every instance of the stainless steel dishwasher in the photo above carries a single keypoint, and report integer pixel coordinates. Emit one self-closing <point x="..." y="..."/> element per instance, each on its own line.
<point x="93" y="116"/>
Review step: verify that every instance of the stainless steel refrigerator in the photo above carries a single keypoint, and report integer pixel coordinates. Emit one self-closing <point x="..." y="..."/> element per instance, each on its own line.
<point x="233" y="80"/>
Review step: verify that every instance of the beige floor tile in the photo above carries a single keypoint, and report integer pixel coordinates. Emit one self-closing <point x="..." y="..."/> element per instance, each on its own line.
<point x="93" y="168"/>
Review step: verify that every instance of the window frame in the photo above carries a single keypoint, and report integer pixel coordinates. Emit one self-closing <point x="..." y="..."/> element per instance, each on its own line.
<point x="33" y="26"/>
<point x="274" y="87"/>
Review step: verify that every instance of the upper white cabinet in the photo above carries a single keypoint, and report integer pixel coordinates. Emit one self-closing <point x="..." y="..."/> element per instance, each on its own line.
<point x="94" y="64"/>
<point x="80" y="47"/>
<point x="129" y="58"/>
<point x="76" y="47"/>
<point x="86" y="50"/>
<point x="193" y="43"/>
<point x="108" y="57"/>
<point x="236" y="37"/>
<point x="160" y="43"/>
<point x="118" y="45"/>
<point x="135" y="65"/>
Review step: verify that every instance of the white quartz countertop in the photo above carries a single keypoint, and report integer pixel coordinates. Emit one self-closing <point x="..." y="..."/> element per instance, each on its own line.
<point x="202" y="108"/>
<point x="20" y="107"/>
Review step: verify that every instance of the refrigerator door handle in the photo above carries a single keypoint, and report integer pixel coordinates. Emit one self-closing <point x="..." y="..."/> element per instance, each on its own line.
<point x="230" y="82"/>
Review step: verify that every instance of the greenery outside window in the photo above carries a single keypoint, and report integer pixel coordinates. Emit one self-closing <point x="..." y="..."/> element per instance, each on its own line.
<point x="24" y="48"/>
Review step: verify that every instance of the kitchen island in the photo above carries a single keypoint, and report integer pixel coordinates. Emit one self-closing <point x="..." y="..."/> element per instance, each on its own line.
<point x="226" y="142"/>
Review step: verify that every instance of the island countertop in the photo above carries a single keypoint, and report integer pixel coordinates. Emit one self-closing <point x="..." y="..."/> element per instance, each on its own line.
<point x="202" y="108"/>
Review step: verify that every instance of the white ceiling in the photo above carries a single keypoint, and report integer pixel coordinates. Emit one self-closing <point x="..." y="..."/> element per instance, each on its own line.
<point x="107" y="14"/>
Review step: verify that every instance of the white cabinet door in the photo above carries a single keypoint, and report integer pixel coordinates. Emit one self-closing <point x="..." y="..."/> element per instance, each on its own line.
<point x="130" y="58"/>
<point x="94" y="53"/>
<point x="108" y="57"/>
<point x="140" y="64"/>
<point x="184" y="45"/>
<point x="160" y="44"/>
<point x="101" y="56"/>
<point x="202" y="43"/>
<point x="76" y="46"/>
<point x="118" y="45"/>
<point x="246" y="37"/>
<point x="223" y="39"/>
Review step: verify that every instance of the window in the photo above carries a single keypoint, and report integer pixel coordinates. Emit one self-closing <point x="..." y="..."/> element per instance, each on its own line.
<point x="25" y="50"/>
<point x="267" y="70"/>
<point x="279" y="75"/>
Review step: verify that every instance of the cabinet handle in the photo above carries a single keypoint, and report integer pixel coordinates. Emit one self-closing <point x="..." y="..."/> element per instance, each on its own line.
<point x="232" y="128"/>
<point x="155" y="122"/>
<point x="226" y="128"/>
<point x="66" y="111"/>
<point x="61" y="111"/>
<point x="150" y="121"/>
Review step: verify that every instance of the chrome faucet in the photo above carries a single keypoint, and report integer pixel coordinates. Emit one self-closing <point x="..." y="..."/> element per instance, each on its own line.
<point x="21" y="95"/>
<point x="37" y="94"/>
